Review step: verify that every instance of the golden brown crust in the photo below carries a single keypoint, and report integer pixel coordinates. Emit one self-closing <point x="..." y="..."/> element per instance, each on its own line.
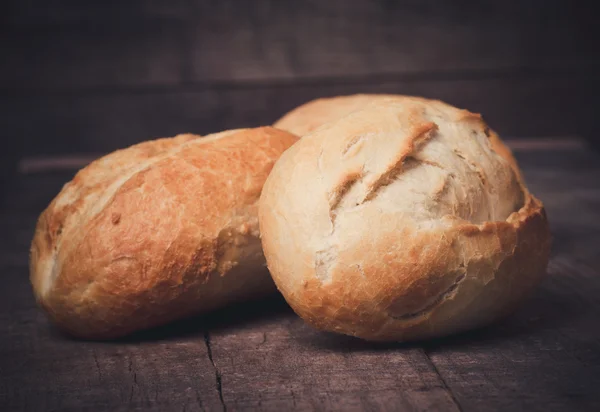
<point x="402" y="221"/>
<point x="160" y="230"/>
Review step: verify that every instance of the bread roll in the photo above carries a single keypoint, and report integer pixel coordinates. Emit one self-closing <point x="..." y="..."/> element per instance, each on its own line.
<point x="401" y="221"/>
<point x="310" y="116"/>
<point x="158" y="231"/>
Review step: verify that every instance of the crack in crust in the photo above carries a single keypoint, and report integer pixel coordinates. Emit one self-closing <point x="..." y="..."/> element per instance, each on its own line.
<point x="341" y="191"/>
<point x="352" y="143"/>
<point x="422" y="135"/>
<point x="404" y="160"/>
<point x="473" y="166"/>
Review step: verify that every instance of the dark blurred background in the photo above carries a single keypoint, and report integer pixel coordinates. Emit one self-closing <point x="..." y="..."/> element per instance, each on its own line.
<point x="88" y="77"/>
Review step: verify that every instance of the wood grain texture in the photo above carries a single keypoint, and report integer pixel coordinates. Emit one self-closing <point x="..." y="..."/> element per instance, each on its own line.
<point x="260" y="356"/>
<point x="285" y="39"/>
<point x="95" y="76"/>
<point x="42" y="370"/>
<point x="102" y="122"/>
<point x="68" y="44"/>
<point x="567" y="183"/>
<point x="545" y="358"/>
<point x="275" y="362"/>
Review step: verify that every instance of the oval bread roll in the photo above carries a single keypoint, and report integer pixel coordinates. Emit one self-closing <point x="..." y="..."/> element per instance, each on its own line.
<point x="401" y="221"/>
<point x="155" y="232"/>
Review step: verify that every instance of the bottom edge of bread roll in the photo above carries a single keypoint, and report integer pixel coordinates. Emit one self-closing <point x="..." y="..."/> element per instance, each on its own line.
<point x="430" y="303"/>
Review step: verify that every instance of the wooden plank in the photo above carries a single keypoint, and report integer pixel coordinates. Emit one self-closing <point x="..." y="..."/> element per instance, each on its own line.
<point x="546" y="144"/>
<point x="562" y="163"/>
<point x="567" y="183"/>
<point x="35" y="13"/>
<point x="28" y="196"/>
<point x="545" y="358"/>
<point x="8" y="168"/>
<point x="92" y="55"/>
<point x="17" y="231"/>
<point x="45" y="164"/>
<point x="339" y="38"/>
<point x="270" y="360"/>
<point x="102" y="122"/>
<point x="43" y="370"/>
<point x="79" y="44"/>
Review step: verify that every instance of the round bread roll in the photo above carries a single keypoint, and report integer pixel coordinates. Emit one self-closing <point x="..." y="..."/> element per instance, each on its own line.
<point x="308" y="117"/>
<point x="155" y="232"/>
<point x="400" y="221"/>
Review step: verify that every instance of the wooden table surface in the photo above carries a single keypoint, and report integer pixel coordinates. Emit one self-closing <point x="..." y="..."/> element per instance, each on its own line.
<point x="260" y="356"/>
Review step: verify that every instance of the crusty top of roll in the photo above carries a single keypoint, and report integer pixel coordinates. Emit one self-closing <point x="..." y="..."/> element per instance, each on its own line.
<point x="310" y="116"/>
<point x="441" y="147"/>
<point x="404" y="223"/>
<point x="129" y="242"/>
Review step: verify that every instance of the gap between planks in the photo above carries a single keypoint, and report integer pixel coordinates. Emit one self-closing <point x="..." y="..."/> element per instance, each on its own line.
<point x="218" y="376"/>
<point x="442" y="380"/>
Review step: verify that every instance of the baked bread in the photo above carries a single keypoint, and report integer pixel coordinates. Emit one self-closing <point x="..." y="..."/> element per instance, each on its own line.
<point x="308" y="117"/>
<point x="400" y="221"/>
<point x="155" y="232"/>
